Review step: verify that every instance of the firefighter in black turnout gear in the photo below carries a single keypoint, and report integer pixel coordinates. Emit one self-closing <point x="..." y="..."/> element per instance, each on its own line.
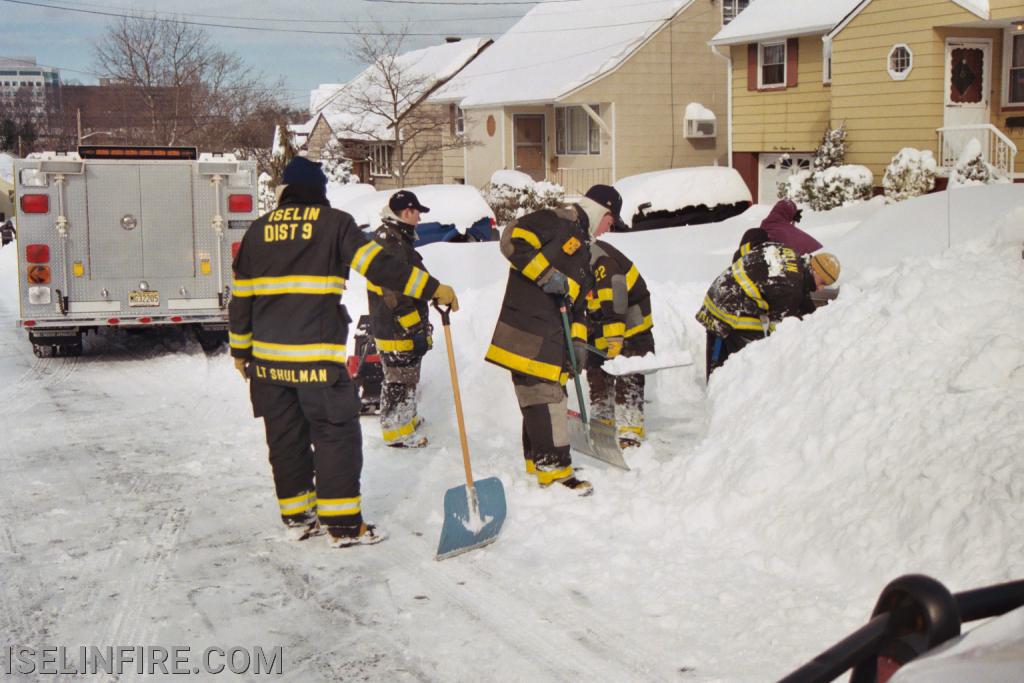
<point x="400" y="326"/>
<point x="620" y="322"/>
<point x="770" y="283"/>
<point x="287" y="335"/>
<point x="549" y="255"/>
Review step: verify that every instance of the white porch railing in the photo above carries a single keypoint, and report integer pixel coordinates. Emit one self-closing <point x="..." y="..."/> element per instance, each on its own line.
<point x="996" y="148"/>
<point x="576" y="181"/>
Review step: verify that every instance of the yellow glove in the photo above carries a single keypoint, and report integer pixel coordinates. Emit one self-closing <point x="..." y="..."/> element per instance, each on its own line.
<point x="240" y="364"/>
<point x="445" y="296"/>
<point x="614" y="346"/>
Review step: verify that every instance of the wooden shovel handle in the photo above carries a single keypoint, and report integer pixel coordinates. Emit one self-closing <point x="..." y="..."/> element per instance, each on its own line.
<point x="446" y="323"/>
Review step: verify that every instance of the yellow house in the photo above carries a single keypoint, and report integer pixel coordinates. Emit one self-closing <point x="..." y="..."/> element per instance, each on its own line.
<point x="594" y="91"/>
<point x="930" y="74"/>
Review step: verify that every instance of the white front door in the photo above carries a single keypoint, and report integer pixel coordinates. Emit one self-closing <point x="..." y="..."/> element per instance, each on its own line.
<point x="776" y="168"/>
<point x="967" y="81"/>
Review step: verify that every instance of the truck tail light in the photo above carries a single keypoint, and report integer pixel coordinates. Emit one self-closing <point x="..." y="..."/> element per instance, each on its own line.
<point x="234" y="250"/>
<point x="35" y="203"/>
<point x="113" y="321"/>
<point x="39" y="275"/>
<point x="238" y="203"/>
<point x="37" y="253"/>
<point x="145" y="320"/>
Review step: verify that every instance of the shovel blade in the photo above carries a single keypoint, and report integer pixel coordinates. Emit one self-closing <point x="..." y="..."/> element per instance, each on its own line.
<point x="599" y="441"/>
<point x="463" y="530"/>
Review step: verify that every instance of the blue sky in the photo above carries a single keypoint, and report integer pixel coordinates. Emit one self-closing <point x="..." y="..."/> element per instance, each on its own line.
<point x="64" y="38"/>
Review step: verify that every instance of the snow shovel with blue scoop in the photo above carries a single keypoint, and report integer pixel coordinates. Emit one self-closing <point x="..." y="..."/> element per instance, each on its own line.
<point x="474" y="513"/>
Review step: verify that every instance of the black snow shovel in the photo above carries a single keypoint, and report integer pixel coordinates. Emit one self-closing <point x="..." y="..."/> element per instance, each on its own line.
<point x="595" y="439"/>
<point x="474" y="513"/>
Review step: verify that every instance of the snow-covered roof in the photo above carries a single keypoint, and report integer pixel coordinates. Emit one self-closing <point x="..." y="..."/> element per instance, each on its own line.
<point x="424" y="69"/>
<point x="297" y="132"/>
<point x="768" y="19"/>
<point x="556" y="48"/>
<point x="678" y="188"/>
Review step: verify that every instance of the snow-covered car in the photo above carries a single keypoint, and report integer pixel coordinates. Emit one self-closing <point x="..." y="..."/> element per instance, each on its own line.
<point x="681" y="196"/>
<point x="457" y="213"/>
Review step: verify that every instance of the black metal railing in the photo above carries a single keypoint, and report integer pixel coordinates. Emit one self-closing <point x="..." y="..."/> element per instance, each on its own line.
<point x="913" y="614"/>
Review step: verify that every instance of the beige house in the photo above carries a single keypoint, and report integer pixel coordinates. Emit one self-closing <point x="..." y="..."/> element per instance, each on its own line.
<point x="594" y="94"/>
<point x="359" y="115"/>
<point x="929" y="74"/>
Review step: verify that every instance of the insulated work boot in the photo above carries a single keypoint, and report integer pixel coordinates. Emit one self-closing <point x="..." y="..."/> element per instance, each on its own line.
<point x="411" y="441"/>
<point x="368" y="535"/>
<point x="301" y="530"/>
<point x="531" y="467"/>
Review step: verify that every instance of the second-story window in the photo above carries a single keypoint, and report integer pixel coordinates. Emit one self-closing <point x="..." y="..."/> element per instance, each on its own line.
<point x="731" y="8"/>
<point x="773" y="65"/>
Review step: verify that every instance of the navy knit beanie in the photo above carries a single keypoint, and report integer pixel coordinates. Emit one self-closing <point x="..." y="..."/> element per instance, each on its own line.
<point x="302" y="171"/>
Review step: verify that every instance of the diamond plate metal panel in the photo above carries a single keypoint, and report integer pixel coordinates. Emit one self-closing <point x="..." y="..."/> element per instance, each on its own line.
<point x="113" y="195"/>
<point x="166" y="220"/>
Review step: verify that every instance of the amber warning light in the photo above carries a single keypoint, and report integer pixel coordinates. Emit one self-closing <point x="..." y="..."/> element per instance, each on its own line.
<point x="133" y="152"/>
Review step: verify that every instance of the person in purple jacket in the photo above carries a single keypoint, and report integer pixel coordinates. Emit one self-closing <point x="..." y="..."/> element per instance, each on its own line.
<point x="779" y="226"/>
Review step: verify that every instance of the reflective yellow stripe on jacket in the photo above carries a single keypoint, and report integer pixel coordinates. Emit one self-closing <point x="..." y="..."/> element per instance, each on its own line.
<point x="299" y="353"/>
<point x="647" y="324"/>
<point x="240" y="341"/>
<point x="527" y="366"/>
<point x="416" y="282"/>
<point x="737" y="322"/>
<point x="749" y="288"/>
<point x="527" y="236"/>
<point x="579" y="331"/>
<point x="410" y="320"/>
<point x="364" y="256"/>
<point x="290" y="284"/>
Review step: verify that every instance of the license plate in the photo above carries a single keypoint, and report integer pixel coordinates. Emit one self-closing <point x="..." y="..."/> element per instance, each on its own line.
<point x="139" y="298"/>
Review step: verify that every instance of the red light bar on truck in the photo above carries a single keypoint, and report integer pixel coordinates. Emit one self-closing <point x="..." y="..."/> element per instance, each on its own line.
<point x="134" y="152"/>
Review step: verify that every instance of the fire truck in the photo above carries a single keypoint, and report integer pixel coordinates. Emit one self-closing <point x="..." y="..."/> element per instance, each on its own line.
<point x="130" y="237"/>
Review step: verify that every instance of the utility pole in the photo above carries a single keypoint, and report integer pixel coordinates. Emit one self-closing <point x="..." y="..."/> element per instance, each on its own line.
<point x="78" y="113"/>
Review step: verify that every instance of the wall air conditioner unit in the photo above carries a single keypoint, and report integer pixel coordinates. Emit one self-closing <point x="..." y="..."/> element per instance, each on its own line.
<point x="699" y="121"/>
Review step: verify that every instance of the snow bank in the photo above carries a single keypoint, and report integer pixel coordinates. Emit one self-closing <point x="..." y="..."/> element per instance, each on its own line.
<point x="340" y="194"/>
<point x="516" y="179"/>
<point x="6" y="167"/>
<point x="678" y="188"/>
<point x="458" y="205"/>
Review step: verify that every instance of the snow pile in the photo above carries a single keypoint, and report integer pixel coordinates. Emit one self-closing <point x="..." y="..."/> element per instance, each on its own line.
<point x="457" y="205"/>
<point x="679" y="188"/>
<point x="784" y="18"/>
<point x="514" y="179"/>
<point x="911" y="173"/>
<point x="648" y="363"/>
<point x="534" y="62"/>
<point x="698" y="112"/>
<point x="342" y="194"/>
<point x="6" y="167"/>
<point x="972" y="169"/>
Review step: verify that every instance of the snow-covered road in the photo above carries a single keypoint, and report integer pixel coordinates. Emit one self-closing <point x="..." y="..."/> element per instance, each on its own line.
<point x="756" y="527"/>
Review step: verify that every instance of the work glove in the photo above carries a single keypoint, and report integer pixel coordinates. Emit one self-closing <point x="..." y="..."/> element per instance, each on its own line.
<point x="445" y="296"/>
<point x="614" y="346"/>
<point x="556" y="283"/>
<point x="420" y="340"/>
<point x="240" y="364"/>
<point x="579" y="350"/>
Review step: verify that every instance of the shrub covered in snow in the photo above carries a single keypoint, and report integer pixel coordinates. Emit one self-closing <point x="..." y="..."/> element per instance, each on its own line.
<point x="336" y="167"/>
<point x="972" y="169"/>
<point x="265" y="193"/>
<point x="829" y="188"/>
<point x="911" y="173"/>
<point x="832" y="149"/>
<point x="511" y="194"/>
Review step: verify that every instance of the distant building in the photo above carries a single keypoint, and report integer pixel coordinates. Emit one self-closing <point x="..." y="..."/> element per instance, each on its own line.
<point x="40" y="85"/>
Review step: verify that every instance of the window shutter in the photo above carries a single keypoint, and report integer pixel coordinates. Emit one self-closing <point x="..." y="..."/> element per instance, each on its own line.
<point x="792" y="59"/>
<point x="752" y="66"/>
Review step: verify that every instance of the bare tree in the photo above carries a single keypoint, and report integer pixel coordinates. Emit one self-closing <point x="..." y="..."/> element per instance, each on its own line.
<point x="387" y="104"/>
<point x="192" y="92"/>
